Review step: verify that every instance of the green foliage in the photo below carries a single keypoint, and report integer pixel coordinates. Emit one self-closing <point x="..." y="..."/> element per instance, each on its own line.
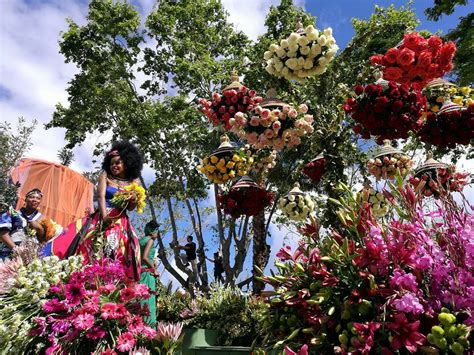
<point x="463" y="36"/>
<point x="13" y="145"/>
<point x="443" y="7"/>
<point x="66" y="156"/>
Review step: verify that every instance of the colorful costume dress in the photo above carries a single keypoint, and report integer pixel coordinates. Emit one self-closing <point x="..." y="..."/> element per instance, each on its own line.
<point x="147" y="278"/>
<point x="90" y="238"/>
<point x="16" y="222"/>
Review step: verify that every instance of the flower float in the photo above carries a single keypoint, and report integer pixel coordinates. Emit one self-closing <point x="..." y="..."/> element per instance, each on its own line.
<point x="434" y="178"/>
<point x="245" y="198"/>
<point x="273" y="124"/>
<point x="439" y="91"/>
<point x="297" y="206"/>
<point x="234" y="98"/>
<point x="226" y="163"/>
<point x="385" y="163"/>
<point x="305" y="53"/>
<point x="416" y="60"/>
<point x="452" y="125"/>
<point x="385" y="110"/>
<point x="315" y="168"/>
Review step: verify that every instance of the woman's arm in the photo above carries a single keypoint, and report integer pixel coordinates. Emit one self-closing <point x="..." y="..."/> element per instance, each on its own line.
<point x="146" y="253"/>
<point x="101" y="188"/>
<point x="5" y="238"/>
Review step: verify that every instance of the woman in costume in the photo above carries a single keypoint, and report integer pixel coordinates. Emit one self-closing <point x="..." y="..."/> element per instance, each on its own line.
<point x="107" y="233"/>
<point x="14" y="224"/>
<point x="149" y="274"/>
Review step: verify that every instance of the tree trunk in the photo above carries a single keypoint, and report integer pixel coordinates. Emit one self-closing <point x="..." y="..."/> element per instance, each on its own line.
<point x="261" y="250"/>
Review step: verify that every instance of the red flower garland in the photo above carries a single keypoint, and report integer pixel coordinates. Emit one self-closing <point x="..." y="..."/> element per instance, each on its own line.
<point x="417" y="60"/>
<point x="223" y="107"/>
<point x="440" y="181"/>
<point x="315" y="169"/>
<point x="447" y="129"/>
<point x="387" y="112"/>
<point x="248" y="201"/>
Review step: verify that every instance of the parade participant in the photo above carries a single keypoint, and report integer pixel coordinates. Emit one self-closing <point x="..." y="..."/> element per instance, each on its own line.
<point x="148" y="268"/>
<point x="13" y="224"/>
<point x="107" y="233"/>
<point x="218" y="267"/>
<point x="190" y="250"/>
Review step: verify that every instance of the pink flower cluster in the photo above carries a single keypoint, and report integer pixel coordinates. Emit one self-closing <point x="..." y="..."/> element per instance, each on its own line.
<point x="98" y="305"/>
<point x="273" y="128"/>
<point x="417" y="60"/>
<point x="224" y="107"/>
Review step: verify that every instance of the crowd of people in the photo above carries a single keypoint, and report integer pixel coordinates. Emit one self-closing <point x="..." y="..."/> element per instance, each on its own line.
<point x="106" y="232"/>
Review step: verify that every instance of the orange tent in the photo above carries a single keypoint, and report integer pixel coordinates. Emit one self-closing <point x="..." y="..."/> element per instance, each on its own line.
<point x="67" y="195"/>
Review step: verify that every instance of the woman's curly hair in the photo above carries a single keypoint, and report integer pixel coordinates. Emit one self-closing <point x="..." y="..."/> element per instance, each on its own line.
<point x="130" y="155"/>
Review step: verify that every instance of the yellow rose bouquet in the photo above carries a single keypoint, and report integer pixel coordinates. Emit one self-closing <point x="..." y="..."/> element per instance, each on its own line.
<point x="133" y="192"/>
<point x="223" y="167"/>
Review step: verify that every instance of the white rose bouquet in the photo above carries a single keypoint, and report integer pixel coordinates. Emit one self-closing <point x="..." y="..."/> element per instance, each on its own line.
<point x="378" y="202"/>
<point x="304" y="53"/>
<point x="385" y="167"/>
<point x="297" y="206"/>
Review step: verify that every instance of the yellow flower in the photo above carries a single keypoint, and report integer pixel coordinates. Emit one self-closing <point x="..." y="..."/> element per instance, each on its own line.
<point x="236" y="158"/>
<point x="214" y="159"/>
<point x="458" y="100"/>
<point x="435" y="108"/>
<point x="251" y="160"/>
<point x="205" y="160"/>
<point x="223" y="170"/>
<point x="225" y="177"/>
<point x="466" y="90"/>
<point x="230" y="165"/>
<point x="453" y="91"/>
<point x="469" y="102"/>
<point x="202" y="169"/>
<point x="210" y="168"/>
<point x="440" y="99"/>
<point x="232" y="174"/>
<point x="221" y="163"/>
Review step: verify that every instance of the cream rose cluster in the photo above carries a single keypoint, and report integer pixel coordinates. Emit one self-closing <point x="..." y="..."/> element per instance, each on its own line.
<point x="303" y="54"/>
<point x="273" y="128"/>
<point x="296" y="207"/>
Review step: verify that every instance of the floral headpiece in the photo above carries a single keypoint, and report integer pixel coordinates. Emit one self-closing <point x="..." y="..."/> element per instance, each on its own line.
<point x="113" y="153"/>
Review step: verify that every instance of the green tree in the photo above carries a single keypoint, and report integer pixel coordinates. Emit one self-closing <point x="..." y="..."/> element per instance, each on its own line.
<point x="66" y="156"/>
<point x="442" y="7"/>
<point x="14" y="143"/>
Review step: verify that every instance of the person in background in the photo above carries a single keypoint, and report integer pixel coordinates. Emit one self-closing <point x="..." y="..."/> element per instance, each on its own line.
<point x="149" y="273"/>
<point x="190" y="250"/>
<point x="13" y="224"/>
<point x="218" y="267"/>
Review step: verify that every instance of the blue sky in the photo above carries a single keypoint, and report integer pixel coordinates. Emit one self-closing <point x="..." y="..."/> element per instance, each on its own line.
<point x="33" y="75"/>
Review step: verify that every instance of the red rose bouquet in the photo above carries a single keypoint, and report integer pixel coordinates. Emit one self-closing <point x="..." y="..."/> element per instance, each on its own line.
<point x="416" y="60"/>
<point x="446" y="129"/>
<point x="315" y="169"/>
<point x="222" y="107"/>
<point x="248" y="201"/>
<point x="386" y="111"/>
<point x="439" y="181"/>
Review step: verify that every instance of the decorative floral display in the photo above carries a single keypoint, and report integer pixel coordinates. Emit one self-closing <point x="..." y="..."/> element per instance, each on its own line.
<point x="304" y="53"/>
<point x="131" y="193"/>
<point x="378" y="203"/>
<point x="438" y="94"/>
<point x="297" y="206"/>
<point x="97" y="309"/>
<point x="385" y="167"/>
<point x="25" y="286"/>
<point x="386" y="111"/>
<point x="315" y="169"/>
<point x="51" y="229"/>
<point x="265" y="160"/>
<point x="377" y="286"/>
<point x="224" y="106"/>
<point x="416" y="60"/>
<point x="223" y="167"/>
<point x="248" y="201"/>
<point x="436" y="182"/>
<point x="448" y="128"/>
<point x="274" y="128"/>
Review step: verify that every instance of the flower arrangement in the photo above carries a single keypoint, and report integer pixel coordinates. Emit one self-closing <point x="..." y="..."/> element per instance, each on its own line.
<point x="315" y="169"/>
<point x="274" y="128"/>
<point x="416" y="60"/>
<point x="448" y="127"/>
<point x="436" y="182"/>
<point x="385" y="110"/>
<point x="97" y="309"/>
<point x="377" y="201"/>
<point x="235" y="98"/>
<point x="131" y="193"/>
<point x="224" y="167"/>
<point x="377" y="286"/>
<point x="245" y="200"/>
<point x="304" y="53"/>
<point x="51" y="229"/>
<point x="24" y="290"/>
<point x="438" y="93"/>
<point x="388" y="162"/>
<point x="297" y="206"/>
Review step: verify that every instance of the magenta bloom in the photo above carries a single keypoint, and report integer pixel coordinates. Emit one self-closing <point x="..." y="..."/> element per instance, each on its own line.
<point x="400" y="280"/>
<point x="108" y="311"/>
<point x="127" y="294"/>
<point x="95" y="333"/>
<point x="125" y="342"/>
<point x="54" y="306"/>
<point x="405" y="334"/>
<point x="409" y="303"/>
<point x="303" y="351"/>
<point x="142" y="291"/>
<point x="84" y="321"/>
<point x="74" y="293"/>
<point x="285" y="254"/>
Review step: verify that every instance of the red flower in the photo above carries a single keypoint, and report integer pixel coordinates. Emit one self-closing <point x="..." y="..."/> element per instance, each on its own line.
<point x="406" y="57"/>
<point x="412" y="41"/>
<point x="125" y="342"/>
<point x="391" y="55"/>
<point x="424" y="59"/>
<point x="392" y="73"/>
<point x="376" y="60"/>
<point x="359" y="90"/>
<point x="405" y="334"/>
<point x="435" y="42"/>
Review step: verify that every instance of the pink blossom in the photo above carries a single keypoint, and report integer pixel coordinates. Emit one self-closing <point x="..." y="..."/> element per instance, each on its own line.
<point x="286" y="109"/>
<point x="141" y="290"/>
<point x="276" y="125"/>
<point x="169" y="331"/>
<point x="403" y="281"/>
<point x="285" y="253"/>
<point x="293" y="113"/>
<point x="108" y="352"/>
<point x="109" y="311"/>
<point x="409" y="303"/>
<point x="149" y="332"/>
<point x="268" y="133"/>
<point x="276" y="112"/>
<point x="125" y="342"/>
<point x="265" y="113"/>
<point x="96" y="333"/>
<point x="74" y="293"/>
<point x="302" y="351"/>
<point x="303" y="108"/>
<point x="84" y="321"/>
<point x="54" y="306"/>
<point x="254" y="121"/>
<point x="127" y="294"/>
